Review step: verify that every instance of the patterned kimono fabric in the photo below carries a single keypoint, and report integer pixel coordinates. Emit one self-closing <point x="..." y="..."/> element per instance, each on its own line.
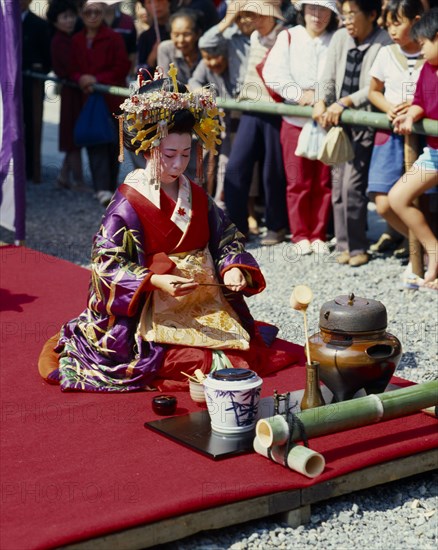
<point x="133" y="337"/>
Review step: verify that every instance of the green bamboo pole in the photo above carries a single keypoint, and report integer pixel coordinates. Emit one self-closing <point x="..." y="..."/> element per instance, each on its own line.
<point x="349" y="116"/>
<point x="407" y="399"/>
<point x="355" y="413"/>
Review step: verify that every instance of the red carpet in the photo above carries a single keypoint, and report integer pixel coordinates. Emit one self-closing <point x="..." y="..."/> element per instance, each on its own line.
<point x="75" y="466"/>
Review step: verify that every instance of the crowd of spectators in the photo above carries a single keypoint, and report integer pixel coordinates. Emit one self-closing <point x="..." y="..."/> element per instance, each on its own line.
<point x="327" y="54"/>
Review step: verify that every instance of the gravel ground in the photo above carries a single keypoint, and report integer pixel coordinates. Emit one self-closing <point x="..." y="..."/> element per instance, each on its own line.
<point x="399" y="515"/>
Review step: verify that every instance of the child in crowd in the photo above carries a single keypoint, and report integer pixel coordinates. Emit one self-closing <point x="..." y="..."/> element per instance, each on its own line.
<point x="394" y="75"/>
<point x="424" y="172"/>
<point x="63" y="14"/>
<point x="213" y="70"/>
<point x="293" y="69"/>
<point x="233" y="33"/>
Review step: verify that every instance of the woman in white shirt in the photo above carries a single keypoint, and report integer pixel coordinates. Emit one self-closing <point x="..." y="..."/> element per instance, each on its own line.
<point x="293" y="70"/>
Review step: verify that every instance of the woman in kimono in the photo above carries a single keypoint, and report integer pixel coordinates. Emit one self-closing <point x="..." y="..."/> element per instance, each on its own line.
<point x="169" y="270"/>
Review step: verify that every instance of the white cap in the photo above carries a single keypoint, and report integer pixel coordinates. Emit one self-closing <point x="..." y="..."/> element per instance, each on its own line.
<point x="330" y="4"/>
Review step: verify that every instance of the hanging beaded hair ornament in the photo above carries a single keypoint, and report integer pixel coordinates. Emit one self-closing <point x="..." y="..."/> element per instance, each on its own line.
<point x="155" y="110"/>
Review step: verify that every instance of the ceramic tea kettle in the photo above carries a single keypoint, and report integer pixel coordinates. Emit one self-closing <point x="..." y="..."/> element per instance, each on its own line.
<point x="353" y="348"/>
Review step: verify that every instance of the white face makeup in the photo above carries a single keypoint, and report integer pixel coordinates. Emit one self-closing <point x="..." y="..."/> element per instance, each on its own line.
<point x="175" y="155"/>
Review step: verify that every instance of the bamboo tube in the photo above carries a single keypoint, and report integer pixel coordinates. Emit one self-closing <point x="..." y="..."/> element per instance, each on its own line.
<point x="272" y="431"/>
<point x="354" y="413"/>
<point x="409" y="399"/>
<point x="300" y="459"/>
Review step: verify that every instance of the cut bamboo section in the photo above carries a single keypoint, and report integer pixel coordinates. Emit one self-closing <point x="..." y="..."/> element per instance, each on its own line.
<point x="355" y="413"/>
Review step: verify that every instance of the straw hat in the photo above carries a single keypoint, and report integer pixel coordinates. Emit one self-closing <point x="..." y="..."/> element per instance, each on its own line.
<point x="330" y="4"/>
<point x="263" y="7"/>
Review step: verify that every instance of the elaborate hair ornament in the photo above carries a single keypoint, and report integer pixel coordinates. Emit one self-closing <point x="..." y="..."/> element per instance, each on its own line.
<point x="157" y="108"/>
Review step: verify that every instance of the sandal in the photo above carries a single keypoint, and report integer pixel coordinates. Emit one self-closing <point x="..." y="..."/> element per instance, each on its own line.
<point x="431" y="285"/>
<point x="411" y="281"/>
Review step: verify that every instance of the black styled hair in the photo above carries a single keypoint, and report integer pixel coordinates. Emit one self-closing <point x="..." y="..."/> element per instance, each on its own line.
<point x="368" y="6"/>
<point x="182" y="121"/>
<point x="195" y="16"/>
<point x="332" y="26"/>
<point x="56" y="7"/>
<point x="405" y="8"/>
<point x="427" y="26"/>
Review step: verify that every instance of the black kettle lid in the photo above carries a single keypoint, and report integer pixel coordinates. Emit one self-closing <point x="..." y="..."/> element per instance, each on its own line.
<point x="350" y="313"/>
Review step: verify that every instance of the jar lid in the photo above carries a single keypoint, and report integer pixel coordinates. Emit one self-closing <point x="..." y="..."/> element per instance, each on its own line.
<point x="231" y="375"/>
<point x="232" y="380"/>
<point x="350" y="313"/>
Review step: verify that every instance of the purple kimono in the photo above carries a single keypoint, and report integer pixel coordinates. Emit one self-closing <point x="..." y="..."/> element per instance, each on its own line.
<point x="100" y="350"/>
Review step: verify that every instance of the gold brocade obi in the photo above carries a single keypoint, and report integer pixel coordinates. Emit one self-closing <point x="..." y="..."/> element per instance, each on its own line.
<point x="201" y="319"/>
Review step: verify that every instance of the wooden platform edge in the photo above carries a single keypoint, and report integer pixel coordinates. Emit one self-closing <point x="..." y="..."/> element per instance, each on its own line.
<point x="297" y="502"/>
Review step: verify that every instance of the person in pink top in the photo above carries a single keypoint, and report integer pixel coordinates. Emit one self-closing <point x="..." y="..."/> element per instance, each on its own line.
<point x="424" y="172"/>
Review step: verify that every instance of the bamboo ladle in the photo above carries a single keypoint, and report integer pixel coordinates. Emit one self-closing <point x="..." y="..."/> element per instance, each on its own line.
<point x="300" y="299"/>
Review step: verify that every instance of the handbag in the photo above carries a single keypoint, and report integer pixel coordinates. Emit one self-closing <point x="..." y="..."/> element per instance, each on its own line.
<point x="310" y="140"/>
<point x="94" y="125"/>
<point x="336" y="147"/>
<point x="259" y="68"/>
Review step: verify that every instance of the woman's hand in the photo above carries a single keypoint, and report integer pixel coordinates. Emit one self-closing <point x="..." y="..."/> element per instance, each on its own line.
<point x="391" y="112"/>
<point x="234" y="279"/>
<point x="307" y="98"/>
<point x="401" y="109"/>
<point x="173" y="285"/>
<point x="86" y="82"/>
<point x="403" y="124"/>
<point x="334" y="113"/>
<point x="319" y="113"/>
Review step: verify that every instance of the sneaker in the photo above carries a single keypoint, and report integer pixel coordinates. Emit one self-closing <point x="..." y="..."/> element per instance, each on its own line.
<point x="343" y="257"/>
<point x="359" y="259"/>
<point x="320" y="247"/>
<point x="104" y="197"/>
<point x="303" y="247"/>
<point x="273" y="237"/>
